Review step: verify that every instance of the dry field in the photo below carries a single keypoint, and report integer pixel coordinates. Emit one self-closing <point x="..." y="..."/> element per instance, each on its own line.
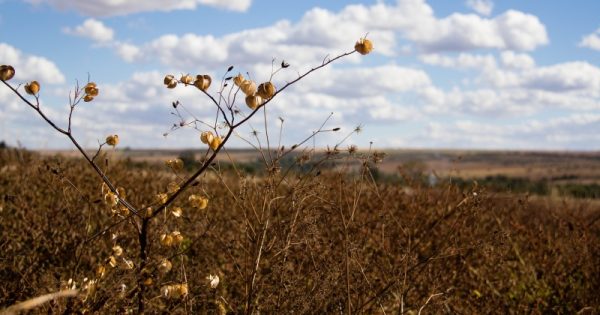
<point x="323" y="240"/>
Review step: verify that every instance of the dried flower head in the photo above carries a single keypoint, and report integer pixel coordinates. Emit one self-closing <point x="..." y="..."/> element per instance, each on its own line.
<point x="215" y="143"/>
<point x="248" y="87"/>
<point x="170" y="81"/>
<point x="203" y="82"/>
<point x="253" y="101"/>
<point x="7" y="72"/>
<point x="175" y="164"/>
<point x="32" y="87"/>
<point x="166" y="240"/>
<point x="112" y="140"/>
<point x="266" y="90"/>
<point x="111" y="199"/>
<point x="186" y="79"/>
<point x="165" y="266"/>
<point x="206" y="137"/>
<point x="213" y="281"/>
<point x="161" y="198"/>
<point x="117" y="250"/>
<point x="363" y="46"/>
<point x="177" y="212"/>
<point x="198" y="202"/>
<point x="91" y="89"/>
<point x="238" y="79"/>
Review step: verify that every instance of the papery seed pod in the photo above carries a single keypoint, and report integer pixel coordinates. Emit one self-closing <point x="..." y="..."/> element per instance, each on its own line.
<point x="112" y="140"/>
<point x="161" y="198"/>
<point x="186" y="79"/>
<point x="166" y="240"/>
<point x="363" y="46"/>
<point x="177" y="237"/>
<point x="215" y="143"/>
<point x="169" y="78"/>
<point x="88" y="98"/>
<point x="172" y="187"/>
<point x="149" y="211"/>
<point x="183" y="289"/>
<point x="206" y="137"/>
<point x="111" y="199"/>
<point x="213" y="281"/>
<point x="91" y="89"/>
<point x="121" y="192"/>
<point x="165" y="266"/>
<point x="32" y="87"/>
<point x="177" y="212"/>
<point x="166" y="291"/>
<point x="7" y="72"/>
<point x="172" y="85"/>
<point x="238" y="79"/>
<point x="203" y="82"/>
<point x="117" y="250"/>
<point x="266" y="90"/>
<point x="248" y="87"/>
<point x="253" y="101"/>
<point x="124" y="211"/>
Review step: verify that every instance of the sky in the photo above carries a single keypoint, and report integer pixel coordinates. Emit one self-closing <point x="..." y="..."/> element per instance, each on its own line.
<point x="467" y="74"/>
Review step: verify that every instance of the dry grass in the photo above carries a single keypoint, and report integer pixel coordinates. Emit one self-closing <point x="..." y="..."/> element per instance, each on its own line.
<point x="319" y="242"/>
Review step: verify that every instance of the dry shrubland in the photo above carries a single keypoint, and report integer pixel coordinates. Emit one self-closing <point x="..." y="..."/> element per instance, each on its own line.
<point x="309" y="244"/>
<point x="310" y="233"/>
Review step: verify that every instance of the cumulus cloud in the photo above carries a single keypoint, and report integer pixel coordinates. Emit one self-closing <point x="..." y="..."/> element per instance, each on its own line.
<point x="30" y="67"/>
<point x="320" y="32"/>
<point x="591" y="41"/>
<point x="103" y="8"/>
<point x="92" y="29"/>
<point x="483" y="7"/>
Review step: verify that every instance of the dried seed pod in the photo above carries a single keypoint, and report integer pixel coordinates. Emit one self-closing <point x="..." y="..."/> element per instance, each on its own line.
<point x="238" y="79"/>
<point x="112" y="140"/>
<point x="91" y="89"/>
<point x="203" y="82"/>
<point x="7" y="72"/>
<point x="172" y="187"/>
<point x="88" y="98"/>
<point x="111" y="199"/>
<point x="32" y="87"/>
<point x="175" y="164"/>
<point x="177" y="212"/>
<point x="215" y="143"/>
<point x="117" y="250"/>
<point x="177" y="237"/>
<point x="186" y="79"/>
<point x="166" y="240"/>
<point x="170" y="81"/>
<point x="206" y="137"/>
<point x="198" y="202"/>
<point x="253" y="101"/>
<point x="165" y="266"/>
<point x="363" y="46"/>
<point x="266" y="90"/>
<point x="161" y="198"/>
<point x="248" y="87"/>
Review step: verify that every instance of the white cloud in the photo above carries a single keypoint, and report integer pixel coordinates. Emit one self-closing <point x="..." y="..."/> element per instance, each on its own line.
<point x="30" y="67"/>
<point x="462" y="61"/>
<point x="514" y="60"/>
<point x="103" y="8"/>
<point x="483" y="7"/>
<point x="321" y="32"/>
<point x="591" y="41"/>
<point x="92" y="29"/>
<point x="574" y="131"/>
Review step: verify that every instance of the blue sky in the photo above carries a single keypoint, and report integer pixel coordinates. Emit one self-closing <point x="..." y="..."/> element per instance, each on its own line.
<point x="444" y="74"/>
